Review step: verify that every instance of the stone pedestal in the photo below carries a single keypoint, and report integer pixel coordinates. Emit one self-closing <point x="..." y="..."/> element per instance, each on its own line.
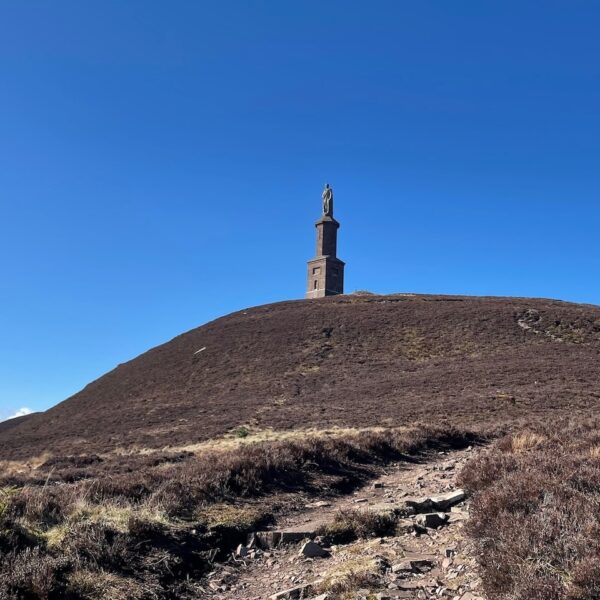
<point x="325" y="271"/>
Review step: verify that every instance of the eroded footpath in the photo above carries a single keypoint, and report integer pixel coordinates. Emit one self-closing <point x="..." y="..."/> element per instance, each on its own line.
<point x="427" y="556"/>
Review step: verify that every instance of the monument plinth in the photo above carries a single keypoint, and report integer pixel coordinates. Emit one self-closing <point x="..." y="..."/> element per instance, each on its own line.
<point x="326" y="271"/>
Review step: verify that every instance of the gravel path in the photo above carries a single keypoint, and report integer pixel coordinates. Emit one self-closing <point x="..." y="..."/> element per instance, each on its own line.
<point x="427" y="563"/>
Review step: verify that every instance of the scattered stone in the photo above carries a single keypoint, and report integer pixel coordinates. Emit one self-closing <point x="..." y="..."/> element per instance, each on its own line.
<point x="416" y="584"/>
<point x="432" y="520"/>
<point x="319" y="504"/>
<point x="241" y="551"/>
<point x="445" y="501"/>
<point x="359" y="500"/>
<point x="313" y="550"/>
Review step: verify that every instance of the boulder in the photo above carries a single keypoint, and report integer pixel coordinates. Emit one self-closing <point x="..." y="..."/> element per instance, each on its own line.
<point x="313" y="550"/>
<point x="432" y="520"/>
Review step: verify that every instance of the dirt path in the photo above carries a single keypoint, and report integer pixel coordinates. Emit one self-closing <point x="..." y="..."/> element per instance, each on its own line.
<point x="427" y="563"/>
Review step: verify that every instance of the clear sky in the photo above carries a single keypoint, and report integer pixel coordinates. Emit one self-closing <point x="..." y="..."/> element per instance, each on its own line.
<point x="161" y="163"/>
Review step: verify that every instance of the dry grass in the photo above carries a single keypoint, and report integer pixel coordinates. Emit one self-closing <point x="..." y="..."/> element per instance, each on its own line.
<point x="257" y="435"/>
<point x="343" y="582"/>
<point x="522" y="441"/>
<point x="349" y="525"/>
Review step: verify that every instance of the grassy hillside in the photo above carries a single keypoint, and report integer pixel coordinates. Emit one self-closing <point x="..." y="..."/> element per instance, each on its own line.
<point x="347" y="361"/>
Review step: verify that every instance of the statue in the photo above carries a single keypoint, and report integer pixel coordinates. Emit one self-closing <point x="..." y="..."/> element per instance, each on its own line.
<point x="327" y="196"/>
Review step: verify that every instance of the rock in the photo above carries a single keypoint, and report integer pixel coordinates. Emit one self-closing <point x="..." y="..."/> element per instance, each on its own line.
<point x="267" y="539"/>
<point x="318" y="504"/>
<point x="432" y="520"/>
<point x="416" y="584"/>
<point x="419" y="505"/>
<point x="272" y="539"/>
<point x="377" y="485"/>
<point x="313" y="550"/>
<point x="414" y="564"/>
<point x="445" y="501"/>
<point x="404" y="566"/>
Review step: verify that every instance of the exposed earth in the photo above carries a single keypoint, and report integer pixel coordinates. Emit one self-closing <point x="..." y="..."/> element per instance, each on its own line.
<point x="346" y="361"/>
<point x="429" y="562"/>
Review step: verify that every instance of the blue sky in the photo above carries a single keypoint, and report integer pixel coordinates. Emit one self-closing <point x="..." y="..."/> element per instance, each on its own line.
<point x="161" y="163"/>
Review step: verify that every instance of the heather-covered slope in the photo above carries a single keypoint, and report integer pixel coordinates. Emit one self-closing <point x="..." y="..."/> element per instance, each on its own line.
<point x="357" y="360"/>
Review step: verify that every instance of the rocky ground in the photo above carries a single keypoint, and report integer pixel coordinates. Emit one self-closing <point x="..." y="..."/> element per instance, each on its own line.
<point x="428" y="556"/>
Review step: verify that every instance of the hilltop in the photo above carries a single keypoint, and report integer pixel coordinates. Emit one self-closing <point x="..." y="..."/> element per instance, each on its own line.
<point x="343" y="361"/>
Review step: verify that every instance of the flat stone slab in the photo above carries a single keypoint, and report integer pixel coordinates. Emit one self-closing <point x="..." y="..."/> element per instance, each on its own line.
<point x="273" y="539"/>
<point x="445" y="501"/>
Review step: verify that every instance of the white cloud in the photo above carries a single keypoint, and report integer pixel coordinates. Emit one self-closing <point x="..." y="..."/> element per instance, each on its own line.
<point x="20" y="413"/>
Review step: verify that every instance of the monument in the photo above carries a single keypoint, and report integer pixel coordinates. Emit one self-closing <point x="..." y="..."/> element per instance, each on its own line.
<point x="326" y="270"/>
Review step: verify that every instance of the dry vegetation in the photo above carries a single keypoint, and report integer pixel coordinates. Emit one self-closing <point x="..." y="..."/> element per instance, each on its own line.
<point x="149" y="527"/>
<point x="132" y="487"/>
<point x="346" y="361"/>
<point x="536" y="513"/>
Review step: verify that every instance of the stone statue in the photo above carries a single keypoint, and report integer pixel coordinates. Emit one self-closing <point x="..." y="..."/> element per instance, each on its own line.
<point x="327" y="196"/>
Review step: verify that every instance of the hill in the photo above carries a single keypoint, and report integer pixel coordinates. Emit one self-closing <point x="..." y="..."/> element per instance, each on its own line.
<point x="344" y="361"/>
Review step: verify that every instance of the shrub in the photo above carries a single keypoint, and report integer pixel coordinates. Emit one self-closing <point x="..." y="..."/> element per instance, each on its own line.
<point x="535" y="515"/>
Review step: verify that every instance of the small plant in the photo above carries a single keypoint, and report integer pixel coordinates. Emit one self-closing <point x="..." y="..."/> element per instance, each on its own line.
<point x="242" y="432"/>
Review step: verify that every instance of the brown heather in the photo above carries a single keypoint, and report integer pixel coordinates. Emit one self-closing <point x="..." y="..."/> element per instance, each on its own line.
<point x="126" y="489"/>
<point x="343" y="361"/>
<point x="536" y="513"/>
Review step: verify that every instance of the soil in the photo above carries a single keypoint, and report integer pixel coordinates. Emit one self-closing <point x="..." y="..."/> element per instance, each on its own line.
<point x="344" y="361"/>
<point x="450" y="574"/>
